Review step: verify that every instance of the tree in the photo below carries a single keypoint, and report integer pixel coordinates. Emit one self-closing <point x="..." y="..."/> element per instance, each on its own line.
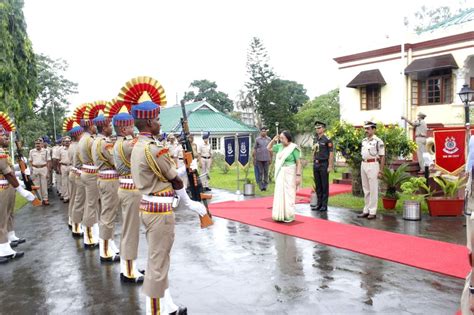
<point x="207" y="91"/>
<point x="279" y="101"/>
<point x="324" y="108"/>
<point x="426" y="17"/>
<point x="18" y="71"/>
<point x="348" y="141"/>
<point x="54" y="88"/>
<point x="258" y="68"/>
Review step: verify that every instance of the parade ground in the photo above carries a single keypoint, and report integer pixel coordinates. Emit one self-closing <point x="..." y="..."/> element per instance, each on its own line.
<point x="230" y="268"/>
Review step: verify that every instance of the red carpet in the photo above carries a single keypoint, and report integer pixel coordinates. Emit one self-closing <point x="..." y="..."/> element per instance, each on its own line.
<point x="445" y="258"/>
<point x="304" y="195"/>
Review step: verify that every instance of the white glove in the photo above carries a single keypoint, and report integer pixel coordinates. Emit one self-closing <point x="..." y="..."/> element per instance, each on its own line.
<point x="194" y="165"/>
<point x="27" y="171"/>
<point x="25" y="193"/>
<point x="468" y="184"/>
<point x="192" y="205"/>
<point x="18" y="174"/>
<point x="182" y="170"/>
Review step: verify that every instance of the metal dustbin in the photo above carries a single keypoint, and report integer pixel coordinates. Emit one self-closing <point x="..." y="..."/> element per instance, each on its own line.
<point x="249" y="190"/>
<point x="313" y="203"/>
<point x="411" y="210"/>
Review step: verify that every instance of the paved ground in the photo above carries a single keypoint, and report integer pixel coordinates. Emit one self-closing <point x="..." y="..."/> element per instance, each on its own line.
<point x="231" y="268"/>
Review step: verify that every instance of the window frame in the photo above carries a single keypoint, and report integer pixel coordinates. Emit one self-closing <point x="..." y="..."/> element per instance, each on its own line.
<point x="364" y="97"/>
<point x="217" y="141"/>
<point x="420" y="96"/>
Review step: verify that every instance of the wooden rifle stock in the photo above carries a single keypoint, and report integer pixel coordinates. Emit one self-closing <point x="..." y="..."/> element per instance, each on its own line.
<point x="195" y="185"/>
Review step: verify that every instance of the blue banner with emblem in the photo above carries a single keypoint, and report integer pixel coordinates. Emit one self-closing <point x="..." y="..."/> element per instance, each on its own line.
<point x="244" y="150"/>
<point x="229" y="145"/>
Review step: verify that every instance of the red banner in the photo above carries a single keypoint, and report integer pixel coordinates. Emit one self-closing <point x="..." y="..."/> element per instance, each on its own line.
<point x="450" y="147"/>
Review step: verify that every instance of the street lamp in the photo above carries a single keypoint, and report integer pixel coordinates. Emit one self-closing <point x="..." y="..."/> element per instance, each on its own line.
<point x="466" y="94"/>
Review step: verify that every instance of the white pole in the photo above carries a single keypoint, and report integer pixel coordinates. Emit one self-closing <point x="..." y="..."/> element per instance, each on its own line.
<point x="403" y="78"/>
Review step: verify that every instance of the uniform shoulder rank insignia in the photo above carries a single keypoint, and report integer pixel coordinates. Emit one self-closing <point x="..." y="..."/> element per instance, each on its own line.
<point x="162" y="152"/>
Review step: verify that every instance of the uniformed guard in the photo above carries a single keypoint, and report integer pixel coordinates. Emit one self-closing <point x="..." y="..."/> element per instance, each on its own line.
<point x="40" y="163"/>
<point x="64" y="167"/>
<point x="89" y="179"/>
<point x="421" y="132"/>
<point x="78" y="205"/>
<point x="68" y="124"/>
<point x="9" y="185"/>
<point x="47" y="147"/>
<point x="155" y="176"/>
<point x="323" y="158"/>
<point x="205" y="158"/>
<point x="57" y="167"/>
<point x="128" y="196"/>
<point x="102" y="155"/>
<point x="373" y="161"/>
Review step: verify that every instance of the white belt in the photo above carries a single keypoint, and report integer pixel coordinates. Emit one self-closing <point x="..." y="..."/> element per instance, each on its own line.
<point x="126" y="181"/>
<point x="89" y="167"/>
<point x="157" y="199"/>
<point x="108" y="172"/>
<point x="3" y="182"/>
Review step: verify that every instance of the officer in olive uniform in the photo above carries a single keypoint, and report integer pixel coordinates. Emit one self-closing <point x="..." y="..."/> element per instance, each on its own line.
<point x="323" y="164"/>
<point x="373" y="161"/>
<point x="78" y="205"/>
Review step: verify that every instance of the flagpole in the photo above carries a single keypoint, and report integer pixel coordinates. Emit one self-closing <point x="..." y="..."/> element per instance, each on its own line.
<point x="237" y="153"/>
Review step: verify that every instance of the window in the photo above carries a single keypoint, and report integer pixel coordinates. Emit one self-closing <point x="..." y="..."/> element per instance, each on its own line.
<point x="434" y="89"/>
<point x="215" y="144"/>
<point x="370" y="98"/>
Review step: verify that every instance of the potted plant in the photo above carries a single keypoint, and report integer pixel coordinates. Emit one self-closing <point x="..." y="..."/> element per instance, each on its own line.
<point x="413" y="188"/>
<point x="392" y="180"/>
<point x="449" y="204"/>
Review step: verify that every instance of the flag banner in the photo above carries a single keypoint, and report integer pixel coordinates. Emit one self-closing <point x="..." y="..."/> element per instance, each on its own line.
<point x="450" y="147"/>
<point x="229" y="145"/>
<point x="244" y="150"/>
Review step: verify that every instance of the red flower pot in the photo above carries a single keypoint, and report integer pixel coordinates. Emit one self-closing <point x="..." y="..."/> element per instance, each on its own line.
<point x="440" y="206"/>
<point x="389" y="203"/>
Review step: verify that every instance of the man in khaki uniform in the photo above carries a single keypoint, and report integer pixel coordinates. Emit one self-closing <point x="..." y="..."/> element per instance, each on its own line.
<point x="47" y="147"/>
<point x="40" y="163"/>
<point x="9" y="185"/>
<point x="64" y="167"/>
<point x="155" y="176"/>
<point x="102" y="154"/>
<point x="129" y="197"/>
<point x="89" y="180"/>
<point x="57" y="167"/>
<point x="373" y="153"/>
<point x="76" y="208"/>
<point x="205" y="157"/>
<point x="421" y="132"/>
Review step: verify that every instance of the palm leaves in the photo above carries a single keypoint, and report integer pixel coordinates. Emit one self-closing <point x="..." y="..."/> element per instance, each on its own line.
<point x="393" y="179"/>
<point x="450" y="185"/>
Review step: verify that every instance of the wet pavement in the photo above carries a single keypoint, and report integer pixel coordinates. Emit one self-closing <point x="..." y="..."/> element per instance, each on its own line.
<point x="231" y="268"/>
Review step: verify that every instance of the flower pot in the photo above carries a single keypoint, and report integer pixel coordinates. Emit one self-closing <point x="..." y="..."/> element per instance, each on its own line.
<point x="441" y="206"/>
<point x="411" y="210"/>
<point x="313" y="203"/>
<point x="389" y="203"/>
<point x="249" y="190"/>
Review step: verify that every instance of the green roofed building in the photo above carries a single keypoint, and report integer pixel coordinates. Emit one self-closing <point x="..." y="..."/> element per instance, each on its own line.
<point x="203" y="118"/>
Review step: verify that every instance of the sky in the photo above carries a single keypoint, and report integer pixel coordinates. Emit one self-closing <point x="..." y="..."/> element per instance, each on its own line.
<point x="107" y="42"/>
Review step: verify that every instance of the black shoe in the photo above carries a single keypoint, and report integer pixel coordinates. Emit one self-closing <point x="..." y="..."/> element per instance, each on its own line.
<point x="14" y="256"/>
<point x="17" y="242"/>
<point x="66" y="200"/>
<point x="371" y="216"/>
<point x="323" y="209"/>
<point x="207" y="189"/>
<point x="77" y="235"/>
<point x="4" y="260"/>
<point x="115" y="258"/>
<point x="13" y="244"/>
<point x="69" y="226"/>
<point x="91" y="246"/>
<point x="362" y="215"/>
<point x="317" y="208"/>
<point x="182" y="310"/>
<point x="131" y="280"/>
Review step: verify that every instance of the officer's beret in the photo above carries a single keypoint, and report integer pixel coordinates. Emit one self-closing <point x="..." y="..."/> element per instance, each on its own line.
<point x="370" y="124"/>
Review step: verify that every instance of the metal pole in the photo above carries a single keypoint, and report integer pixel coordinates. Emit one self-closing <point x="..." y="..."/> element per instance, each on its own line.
<point x="468" y="126"/>
<point x="54" y="123"/>
<point x="237" y="161"/>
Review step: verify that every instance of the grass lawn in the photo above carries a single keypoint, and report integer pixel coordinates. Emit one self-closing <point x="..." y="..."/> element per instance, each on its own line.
<point x="19" y="202"/>
<point x="229" y="181"/>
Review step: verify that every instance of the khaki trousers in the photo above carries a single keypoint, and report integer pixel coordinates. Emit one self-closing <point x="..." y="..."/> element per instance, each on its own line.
<point x="79" y="203"/>
<point x="369" y="172"/>
<point x="160" y="237"/>
<point x="64" y="181"/>
<point x="59" y="182"/>
<point x="130" y="204"/>
<point x="71" y="187"/>
<point x="92" y="205"/>
<point x="109" y="201"/>
<point x="40" y="180"/>
<point x="11" y="196"/>
<point x="6" y="218"/>
<point x="205" y="168"/>
<point x="421" y="143"/>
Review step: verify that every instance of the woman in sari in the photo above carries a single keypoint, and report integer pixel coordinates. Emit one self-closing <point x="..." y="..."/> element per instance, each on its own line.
<point x="287" y="176"/>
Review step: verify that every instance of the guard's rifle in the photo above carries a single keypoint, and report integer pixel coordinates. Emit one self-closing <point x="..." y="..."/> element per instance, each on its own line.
<point x="194" y="181"/>
<point x="29" y="185"/>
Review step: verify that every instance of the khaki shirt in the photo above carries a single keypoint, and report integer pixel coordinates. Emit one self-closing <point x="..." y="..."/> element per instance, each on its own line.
<point x="205" y="150"/>
<point x="122" y="154"/>
<point x="64" y="157"/>
<point x="102" y="153"/>
<point x="372" y="148"/>
<point x="39" y="157"/>
<point x="146" y="180"/>
<point x="5" y="163"/>
<point x="74" y="155"/>
<point x="84" y="149"/>
<point x="195" y="149"/>
<point x="421" y="129"/>
<point x="55" y="152"/>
